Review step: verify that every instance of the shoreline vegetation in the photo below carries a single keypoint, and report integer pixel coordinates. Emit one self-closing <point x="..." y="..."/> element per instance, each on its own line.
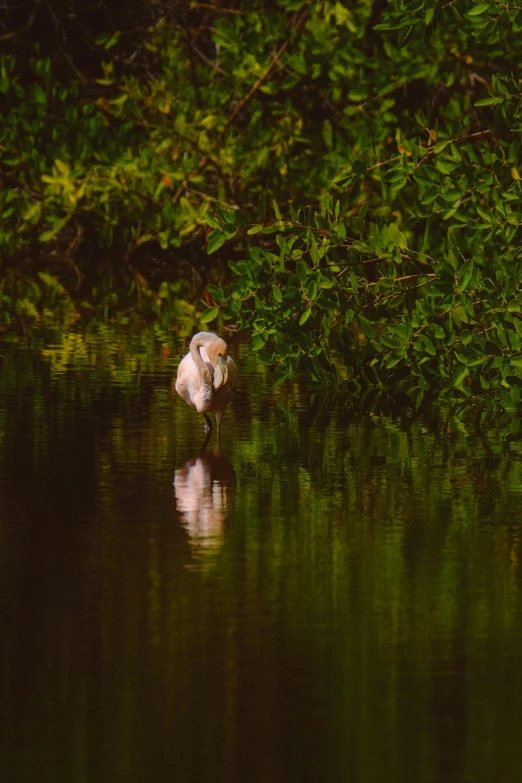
<point x="339" y="181"/>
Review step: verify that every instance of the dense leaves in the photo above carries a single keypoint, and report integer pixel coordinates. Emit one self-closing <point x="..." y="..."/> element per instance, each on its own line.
<point x="359" y="164"/>
<point x="371" y="311"/>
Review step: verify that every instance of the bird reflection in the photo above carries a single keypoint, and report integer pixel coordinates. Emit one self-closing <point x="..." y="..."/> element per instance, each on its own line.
<point x="205" y="488"/>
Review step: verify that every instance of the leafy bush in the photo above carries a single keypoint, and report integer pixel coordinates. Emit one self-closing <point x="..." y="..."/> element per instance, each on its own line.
<point x="388" y="136"/>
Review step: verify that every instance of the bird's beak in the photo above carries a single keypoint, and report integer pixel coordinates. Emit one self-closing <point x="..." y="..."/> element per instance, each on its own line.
<point x="220" y="373"/>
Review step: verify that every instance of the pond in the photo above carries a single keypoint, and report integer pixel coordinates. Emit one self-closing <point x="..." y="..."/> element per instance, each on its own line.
<point x="325" y="595"/>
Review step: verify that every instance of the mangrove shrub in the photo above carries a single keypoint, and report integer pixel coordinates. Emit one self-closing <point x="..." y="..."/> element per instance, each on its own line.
<point x="357" y="164"/>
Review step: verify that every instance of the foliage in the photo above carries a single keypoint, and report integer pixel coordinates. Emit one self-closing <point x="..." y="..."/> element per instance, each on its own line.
<point x="27" y="302"/>
<point x="388" y="136"/>
<point x="410" y="271"/>
<point x="450" y="324"/>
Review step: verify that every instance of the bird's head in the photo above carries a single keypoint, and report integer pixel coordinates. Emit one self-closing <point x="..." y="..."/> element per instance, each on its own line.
<point x="216" y="349"/>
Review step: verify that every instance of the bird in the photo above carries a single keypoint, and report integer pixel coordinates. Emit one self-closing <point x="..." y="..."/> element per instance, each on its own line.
<point x="207" y="377"/>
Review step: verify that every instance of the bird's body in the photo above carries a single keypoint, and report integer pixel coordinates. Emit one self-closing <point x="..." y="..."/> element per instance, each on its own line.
<point x="206" y="376"/>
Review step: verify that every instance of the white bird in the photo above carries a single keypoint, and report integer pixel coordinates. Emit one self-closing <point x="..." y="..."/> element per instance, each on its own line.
<point x="207" y="377"/>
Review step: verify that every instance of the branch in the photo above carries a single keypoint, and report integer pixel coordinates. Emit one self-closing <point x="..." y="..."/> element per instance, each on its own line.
<point x="27" y="25"/>
<point x="217" y="8"/>
<point x="199" y="168"/>
<point x="429" y="152"/>
<point x="262" y="79"/>
<point x="8" y="177"/>
<point x="208" y="61"/>
<point x="241" y="105"/>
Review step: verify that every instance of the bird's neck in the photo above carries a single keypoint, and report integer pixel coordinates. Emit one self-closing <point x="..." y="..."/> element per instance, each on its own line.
<point x="200" y="364"/>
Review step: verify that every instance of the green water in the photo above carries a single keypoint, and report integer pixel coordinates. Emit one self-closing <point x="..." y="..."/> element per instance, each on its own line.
<point x="328" y="596"/>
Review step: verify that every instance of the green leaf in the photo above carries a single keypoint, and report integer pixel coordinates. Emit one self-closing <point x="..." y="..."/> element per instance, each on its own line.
<point x="216" y="239"/>
<point x="46" y="236"/>
<point x="459" y="375"/>
<point x="314" y="255"/>
<point x="366" y="327"/>
<point x="485" y="215"/>
<point x="328" y="134"/>
<point x="394" y="359"/>
<point x="211" y="221"/>
<point x="305" y="316"/>
<point x="209" y="315"/>
<point x="215" y="292"/>
<point x="465" y="275"/>
<point x="259" y="341"/>
<point x="276" y="210"/>
<point x="277" y="296"/>
<point x="441" y="145"/>
<point x="311" y="289"/>
<point x="428" y="345"/>
<point x="303" y="270"/>
<point x="255" y="229"/>
<point x="396" y="236"/>
<point x="491" y="101"/>
<point x="62" y="167"/>
<point x="478" y="9"/>
<point x="33" y="212"/>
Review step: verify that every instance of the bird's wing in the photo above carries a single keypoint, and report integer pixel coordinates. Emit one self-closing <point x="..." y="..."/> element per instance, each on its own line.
<point x="188" y="382"/>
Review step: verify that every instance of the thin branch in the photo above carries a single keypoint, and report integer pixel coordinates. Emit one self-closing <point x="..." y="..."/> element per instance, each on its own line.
<point x="384" y="163"/>
<point x="217" y="8"/>
<point x="429" y="152"/>
<point x="397" y="293"/>
<point x="381" y="94"/>
<point x="241" y="105"/>
<point x="208" y="61"/>
<point x="406" y="277"/>
<point x="264" y="76"/>
<point x="8" y="177"/>
<point x="410" y="277"/>
<point x="184" y="185"/>
<point x="440" y="315"/>
<point x="27" y="25"/>
<point x="207" y="197"/>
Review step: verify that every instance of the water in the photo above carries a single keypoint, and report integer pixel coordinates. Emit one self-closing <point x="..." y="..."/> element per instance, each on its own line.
<point x="327" y="596"/>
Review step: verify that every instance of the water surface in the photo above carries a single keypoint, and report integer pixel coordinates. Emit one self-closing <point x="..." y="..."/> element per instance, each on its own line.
<point x="324" y="596"/>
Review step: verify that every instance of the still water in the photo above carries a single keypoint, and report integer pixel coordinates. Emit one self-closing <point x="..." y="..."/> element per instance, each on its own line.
<point x="325" y="596"/>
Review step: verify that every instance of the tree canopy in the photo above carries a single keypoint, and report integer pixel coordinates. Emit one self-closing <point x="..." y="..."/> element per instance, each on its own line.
<point x="355" y="167"/>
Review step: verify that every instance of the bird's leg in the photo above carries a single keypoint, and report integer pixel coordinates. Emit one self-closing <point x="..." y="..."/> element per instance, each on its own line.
<point x="208" y="423"/>
<point x="207" y="438"/>
<point x="218" y="421"/>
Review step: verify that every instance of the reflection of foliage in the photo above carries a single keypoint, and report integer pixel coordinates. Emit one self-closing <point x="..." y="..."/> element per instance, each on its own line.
<point x="367" y="563"/>
<point x="44" y="300"/>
